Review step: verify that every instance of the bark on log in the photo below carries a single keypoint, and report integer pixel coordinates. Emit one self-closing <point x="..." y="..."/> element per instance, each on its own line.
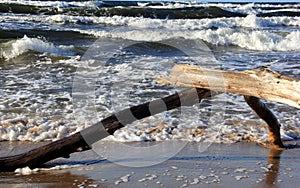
<point x="76" y="142"/>
<point x="264" y="113"/>
<point x="264" y="83"/>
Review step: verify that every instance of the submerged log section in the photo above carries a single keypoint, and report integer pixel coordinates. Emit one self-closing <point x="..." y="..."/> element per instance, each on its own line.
<point x="253" y="84"/>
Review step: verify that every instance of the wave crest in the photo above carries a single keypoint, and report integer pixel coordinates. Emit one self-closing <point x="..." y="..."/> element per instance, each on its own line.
<point x="18" y="47"/>
<point x="252" y="40"/>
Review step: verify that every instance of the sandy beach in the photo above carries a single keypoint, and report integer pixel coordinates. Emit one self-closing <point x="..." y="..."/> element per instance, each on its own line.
<point x="221" y="165"/>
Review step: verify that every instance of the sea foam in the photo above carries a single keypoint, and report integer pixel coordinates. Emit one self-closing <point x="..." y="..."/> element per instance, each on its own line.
<point x="250" y="32"/>
<point x="250" y="21"/>
<point x="15" y="48"/>
<point x="253" y="40"/>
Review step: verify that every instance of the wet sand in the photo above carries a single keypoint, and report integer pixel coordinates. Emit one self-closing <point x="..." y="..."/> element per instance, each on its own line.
<point x="221" y="165"/>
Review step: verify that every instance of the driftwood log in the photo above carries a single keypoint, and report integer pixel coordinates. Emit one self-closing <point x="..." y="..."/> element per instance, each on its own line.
<point x="77" y="142"/>
<point x="261" y="83"/>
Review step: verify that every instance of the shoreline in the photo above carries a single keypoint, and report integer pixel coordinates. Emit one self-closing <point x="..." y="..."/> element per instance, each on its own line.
<point x="221" y="165"/>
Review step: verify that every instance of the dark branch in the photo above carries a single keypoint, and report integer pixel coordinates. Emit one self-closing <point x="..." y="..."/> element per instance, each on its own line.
<point x="264" y="113"/>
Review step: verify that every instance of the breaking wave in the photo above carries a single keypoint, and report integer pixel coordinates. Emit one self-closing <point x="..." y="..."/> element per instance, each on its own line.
<point x="253" y="40"/>
<point x="170" y="10"/>
<point x="18" y="47"/>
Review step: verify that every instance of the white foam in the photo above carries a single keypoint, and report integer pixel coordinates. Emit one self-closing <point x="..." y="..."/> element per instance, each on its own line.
<point x="23" y="45"/>
<point x="251" y="21"/>
<point x="25" y="171"/>
<point x="253" y="40"/>
<point x="250" y="8"/>
<point x="256" y="8"/>
<point x="226" y="34"/>
<point x="241" y="8"/>
<point x="29" y="171"/>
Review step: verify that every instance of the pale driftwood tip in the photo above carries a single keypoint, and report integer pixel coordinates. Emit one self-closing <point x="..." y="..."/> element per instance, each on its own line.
<point x="163" y="81"/>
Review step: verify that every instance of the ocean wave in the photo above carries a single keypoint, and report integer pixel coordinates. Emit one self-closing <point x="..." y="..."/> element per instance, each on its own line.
<point x="260" y="9"/>
<point x="59" y="4"/>
<point x="250" y="21"/>
<point x="250" y="32"/>
<point x="171" y="10"/>
<point x="181" y="24"/>
<point x="178" y="13"/>
<point x="165" y="4"/>
<point x="18" y="47"/>
<point x="253" y="40"/>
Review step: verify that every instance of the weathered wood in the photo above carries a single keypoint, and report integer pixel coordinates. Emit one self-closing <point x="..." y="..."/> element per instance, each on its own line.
<point x="263" y="83"/>
<point x="76" y="143"/>
<point x="264" y="113"/>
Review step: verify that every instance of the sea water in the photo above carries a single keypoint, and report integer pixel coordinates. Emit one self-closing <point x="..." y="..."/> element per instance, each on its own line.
<point x="44" y="47"/>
